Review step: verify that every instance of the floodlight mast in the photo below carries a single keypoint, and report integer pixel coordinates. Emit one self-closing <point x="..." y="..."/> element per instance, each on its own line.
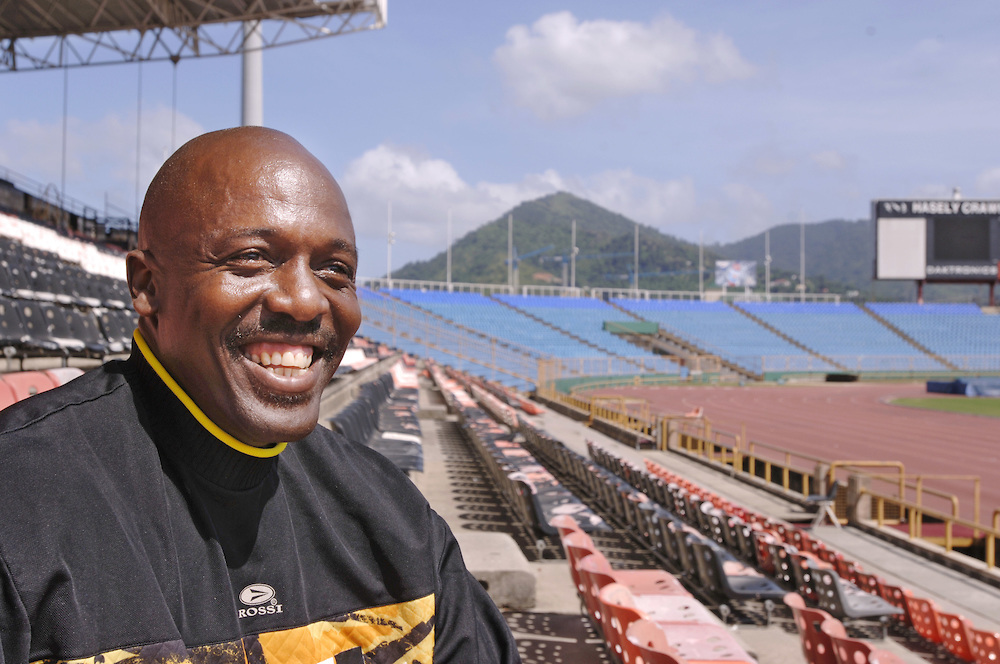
<point x="253" y="76"/>
<point x="69" y="33"/>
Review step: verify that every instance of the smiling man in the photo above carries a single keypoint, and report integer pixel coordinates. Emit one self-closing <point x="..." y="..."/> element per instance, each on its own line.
<point x="183" y="504"/>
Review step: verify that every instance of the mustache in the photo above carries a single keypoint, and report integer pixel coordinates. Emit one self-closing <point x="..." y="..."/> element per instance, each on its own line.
<point x="283" y="324"/>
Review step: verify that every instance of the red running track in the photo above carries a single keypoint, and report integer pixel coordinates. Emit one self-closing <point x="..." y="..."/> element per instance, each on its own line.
<point x="852" y="422"/>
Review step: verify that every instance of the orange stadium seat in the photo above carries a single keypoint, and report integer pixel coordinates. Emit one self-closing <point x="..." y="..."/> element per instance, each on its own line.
<point x="27" y="383"/>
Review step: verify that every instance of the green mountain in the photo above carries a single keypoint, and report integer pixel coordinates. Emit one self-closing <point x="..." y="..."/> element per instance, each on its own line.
<point x="839" y="255"/>
<point x="542" y="231"/>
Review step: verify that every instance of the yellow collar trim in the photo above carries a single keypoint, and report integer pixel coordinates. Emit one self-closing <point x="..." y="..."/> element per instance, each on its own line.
<point x="203" y="419"/>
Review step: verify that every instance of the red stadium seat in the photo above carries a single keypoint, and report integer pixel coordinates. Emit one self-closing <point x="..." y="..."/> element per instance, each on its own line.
<point x="956" y="631"/>
<point x="27" y="383"/>
<point x="985" y="646"/>
<point x="816" y="644"/>
<point x="855" y="651"/>
<point x="924" y="616"/>
<point x="7" y="396"/>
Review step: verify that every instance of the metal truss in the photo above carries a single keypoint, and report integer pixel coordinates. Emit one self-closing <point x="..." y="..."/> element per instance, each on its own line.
<point x="46" y="34"/>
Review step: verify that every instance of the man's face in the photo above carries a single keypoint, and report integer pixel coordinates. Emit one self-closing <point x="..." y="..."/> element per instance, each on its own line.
<point x="255" y="299"/>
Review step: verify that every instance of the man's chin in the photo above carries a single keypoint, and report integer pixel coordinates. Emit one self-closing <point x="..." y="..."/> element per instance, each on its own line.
<point x="281" y="419"/>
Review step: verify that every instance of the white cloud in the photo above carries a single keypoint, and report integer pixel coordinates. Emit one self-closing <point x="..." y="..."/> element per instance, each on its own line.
<point x="561" y="67"/>
<point x="100" y="154"/>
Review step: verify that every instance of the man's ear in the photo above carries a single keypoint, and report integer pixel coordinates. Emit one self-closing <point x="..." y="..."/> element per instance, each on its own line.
<point x="140" y="282"/>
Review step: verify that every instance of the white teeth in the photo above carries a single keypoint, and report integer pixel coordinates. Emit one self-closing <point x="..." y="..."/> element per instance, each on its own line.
<point x="284" y="364"/>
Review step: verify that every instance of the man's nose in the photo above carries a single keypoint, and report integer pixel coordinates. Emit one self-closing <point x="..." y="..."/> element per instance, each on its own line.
<point x="296" y="291"/>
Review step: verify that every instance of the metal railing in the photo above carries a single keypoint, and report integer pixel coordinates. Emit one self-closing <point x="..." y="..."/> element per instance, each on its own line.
<point x="914" y="515"/>
<point x="775" y="465"/>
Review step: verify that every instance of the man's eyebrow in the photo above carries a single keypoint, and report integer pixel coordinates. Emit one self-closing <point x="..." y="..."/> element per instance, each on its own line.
<point x="248" y="232"/>
<point x="343" y="245"/>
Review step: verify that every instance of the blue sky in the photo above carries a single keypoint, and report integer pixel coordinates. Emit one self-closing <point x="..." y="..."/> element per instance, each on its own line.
<point x="708" y="118"/>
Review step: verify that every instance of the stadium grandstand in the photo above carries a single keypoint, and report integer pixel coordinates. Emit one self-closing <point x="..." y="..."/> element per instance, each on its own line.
<point x="603" y="527"/>
<point x="633" y="475"/>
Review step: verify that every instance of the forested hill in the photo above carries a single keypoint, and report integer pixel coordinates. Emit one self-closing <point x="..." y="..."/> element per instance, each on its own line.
<point x="542" y="235"/>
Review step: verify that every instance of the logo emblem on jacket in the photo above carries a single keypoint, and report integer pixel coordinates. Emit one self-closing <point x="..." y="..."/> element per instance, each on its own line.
<point x="260" y="599"/>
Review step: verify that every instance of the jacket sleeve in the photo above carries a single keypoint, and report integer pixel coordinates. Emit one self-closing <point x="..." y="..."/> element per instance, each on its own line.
<point x="468" y="626"/>
<point x="15" y="631"/>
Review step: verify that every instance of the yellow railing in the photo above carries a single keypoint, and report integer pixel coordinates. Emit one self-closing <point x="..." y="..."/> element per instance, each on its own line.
<point x="920" y="490"/>
<point x="622" y="416"/>
<point x="916" y="513"/>
<point x="757" y="459"/>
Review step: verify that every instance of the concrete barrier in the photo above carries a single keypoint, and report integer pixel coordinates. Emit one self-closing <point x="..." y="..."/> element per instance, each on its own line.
<point x="497" y="562"/>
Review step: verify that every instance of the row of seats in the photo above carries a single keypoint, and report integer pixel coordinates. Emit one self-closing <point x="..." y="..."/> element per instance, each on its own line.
<point x="824" y="639"/>
<point x="43" y="328"/>
<point x="802" y="564"/>
<point x="838" y="336"/>
<point x="488" y="316"/>
<point x="845" y="333"/>
<point x="535" y="495"/>
<point x="582" y="317"/>
<point x="383" y="416"/>
<point x="418" y="332"/>
<point x="644" y="615"/>
<point x="687" y="548"/>
<point x="718" y="328"/>
<point x="960" y="333"/>
<point x="49" y="306"/>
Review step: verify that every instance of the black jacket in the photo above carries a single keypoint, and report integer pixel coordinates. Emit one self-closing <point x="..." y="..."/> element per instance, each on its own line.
<point x="127" y="531"/>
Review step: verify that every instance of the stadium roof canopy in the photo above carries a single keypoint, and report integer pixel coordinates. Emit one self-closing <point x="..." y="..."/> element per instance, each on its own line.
<point x="43" y="34"/>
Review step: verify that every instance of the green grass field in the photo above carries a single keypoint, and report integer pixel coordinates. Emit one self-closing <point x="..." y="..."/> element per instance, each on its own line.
<point x="989" y="407"/>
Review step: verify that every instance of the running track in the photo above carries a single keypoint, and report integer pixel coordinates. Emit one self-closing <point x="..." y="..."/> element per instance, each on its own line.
<point x="852" y="422"/>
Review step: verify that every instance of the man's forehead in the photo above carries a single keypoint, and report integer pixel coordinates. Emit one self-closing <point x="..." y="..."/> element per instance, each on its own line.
<point x="220" y="175"/>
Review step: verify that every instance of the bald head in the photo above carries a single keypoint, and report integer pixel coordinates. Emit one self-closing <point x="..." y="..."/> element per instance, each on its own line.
<point x="216" y="169"/>
<point x="246" y="256"/>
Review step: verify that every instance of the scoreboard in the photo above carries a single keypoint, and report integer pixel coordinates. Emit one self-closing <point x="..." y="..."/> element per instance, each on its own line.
<point x="937" y="240"/>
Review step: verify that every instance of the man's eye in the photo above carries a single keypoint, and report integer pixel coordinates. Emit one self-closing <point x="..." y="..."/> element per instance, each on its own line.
<point x="337" y="271"/>
<point x="249" y="256"/>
